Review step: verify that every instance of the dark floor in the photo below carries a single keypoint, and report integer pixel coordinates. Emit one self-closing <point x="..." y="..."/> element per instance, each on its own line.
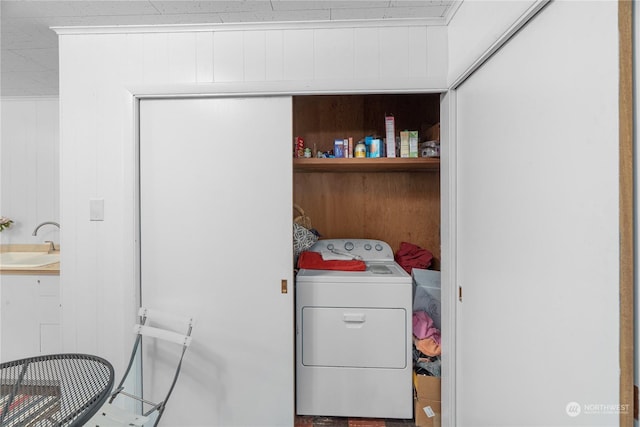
<point x="315" y="421"/>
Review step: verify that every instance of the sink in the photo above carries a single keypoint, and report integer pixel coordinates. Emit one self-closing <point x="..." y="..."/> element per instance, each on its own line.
<point x="27" y="259"/>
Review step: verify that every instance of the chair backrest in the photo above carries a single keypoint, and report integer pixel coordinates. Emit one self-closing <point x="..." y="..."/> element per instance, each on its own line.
<point x="154" y="323"/>
<point x="164" y="326"/>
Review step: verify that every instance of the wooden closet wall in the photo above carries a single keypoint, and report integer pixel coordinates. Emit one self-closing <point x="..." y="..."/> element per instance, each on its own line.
<point x="388" y="199"/>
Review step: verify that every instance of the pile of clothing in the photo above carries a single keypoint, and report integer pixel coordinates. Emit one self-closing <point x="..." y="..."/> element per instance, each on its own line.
<point x="426" y="345"/>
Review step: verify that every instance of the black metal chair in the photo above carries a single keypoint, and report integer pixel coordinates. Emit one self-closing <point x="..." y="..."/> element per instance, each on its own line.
<point x="53" y="390"/>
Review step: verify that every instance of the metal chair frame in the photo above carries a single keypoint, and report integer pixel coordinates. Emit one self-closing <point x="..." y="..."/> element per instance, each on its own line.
<point x="143" y="329"/>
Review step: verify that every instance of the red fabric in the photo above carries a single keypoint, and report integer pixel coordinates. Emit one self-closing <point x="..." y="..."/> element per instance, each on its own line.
<point x="410" y="256"/>
<point x="313" y="261"/>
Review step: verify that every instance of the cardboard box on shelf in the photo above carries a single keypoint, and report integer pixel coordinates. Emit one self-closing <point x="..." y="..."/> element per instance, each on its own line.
<point x="390" y="132"/>
<point x="427" y="401"/>
<point x="338" y="148"/>
<point x="413" y="143"/>
<point x="431" y="133"/>
<point x="404" y="143"/>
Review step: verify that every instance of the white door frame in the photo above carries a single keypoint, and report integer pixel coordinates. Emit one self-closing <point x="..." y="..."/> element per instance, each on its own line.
<point x="288" y="89"/>
<point x="448" y="172"/>
<point x="448" y="169"/>
<point x="451" y="382"/>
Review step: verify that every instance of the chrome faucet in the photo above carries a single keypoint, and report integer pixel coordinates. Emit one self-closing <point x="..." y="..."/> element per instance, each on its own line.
<point x="35" y="232"/>
<point x="52" y="246"/>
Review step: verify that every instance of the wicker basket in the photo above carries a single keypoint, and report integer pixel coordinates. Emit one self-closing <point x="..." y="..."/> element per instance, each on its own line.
<point x="301" y="219"/>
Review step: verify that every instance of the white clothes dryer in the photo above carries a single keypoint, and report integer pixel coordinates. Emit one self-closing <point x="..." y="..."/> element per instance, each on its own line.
<point x="353" y="335"/>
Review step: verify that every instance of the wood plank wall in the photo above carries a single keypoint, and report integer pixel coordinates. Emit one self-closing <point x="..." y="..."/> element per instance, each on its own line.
<point x="627" y="214"/>
<point x="30" y="165"/>
<point x="322" y="118"/>
<point x="391" y="206"/>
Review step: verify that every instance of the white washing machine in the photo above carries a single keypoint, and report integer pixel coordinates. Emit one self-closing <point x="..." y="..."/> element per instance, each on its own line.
<point x="353" y="335"/>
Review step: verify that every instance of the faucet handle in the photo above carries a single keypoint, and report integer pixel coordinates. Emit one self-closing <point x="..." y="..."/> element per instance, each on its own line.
<point x="52" y="247"/>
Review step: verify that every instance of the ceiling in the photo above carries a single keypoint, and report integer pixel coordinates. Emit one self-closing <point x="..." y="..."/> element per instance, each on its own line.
<point x="29" y="56"/>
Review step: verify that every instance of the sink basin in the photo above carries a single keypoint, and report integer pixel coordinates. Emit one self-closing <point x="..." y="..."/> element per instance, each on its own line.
<point x="27" y="259"/>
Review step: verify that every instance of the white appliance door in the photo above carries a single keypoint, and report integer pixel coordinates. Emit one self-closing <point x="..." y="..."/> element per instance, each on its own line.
<point x="216" y="242"/>
<point x="354" y="337"/>
<point x="537" y="209"/>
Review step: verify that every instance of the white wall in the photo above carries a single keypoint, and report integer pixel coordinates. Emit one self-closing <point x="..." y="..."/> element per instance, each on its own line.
<point x="29" y="155"/>
<point x="97" y="71"/>
<point x="475" y="26"/>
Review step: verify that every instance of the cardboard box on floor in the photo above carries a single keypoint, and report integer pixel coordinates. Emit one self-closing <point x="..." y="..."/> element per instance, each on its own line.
<point x="427" y="401"/>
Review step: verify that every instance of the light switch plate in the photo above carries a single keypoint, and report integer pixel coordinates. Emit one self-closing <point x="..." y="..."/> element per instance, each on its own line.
<point x="96" y="209"/>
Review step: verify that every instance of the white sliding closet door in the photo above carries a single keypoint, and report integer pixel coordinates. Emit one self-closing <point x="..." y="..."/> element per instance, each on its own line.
<point x="215" y="220"/>
<point x="537" y="225"/>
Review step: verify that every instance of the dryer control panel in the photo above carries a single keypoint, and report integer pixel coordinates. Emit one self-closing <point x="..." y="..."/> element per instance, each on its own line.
<point x="362" y="249"/>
